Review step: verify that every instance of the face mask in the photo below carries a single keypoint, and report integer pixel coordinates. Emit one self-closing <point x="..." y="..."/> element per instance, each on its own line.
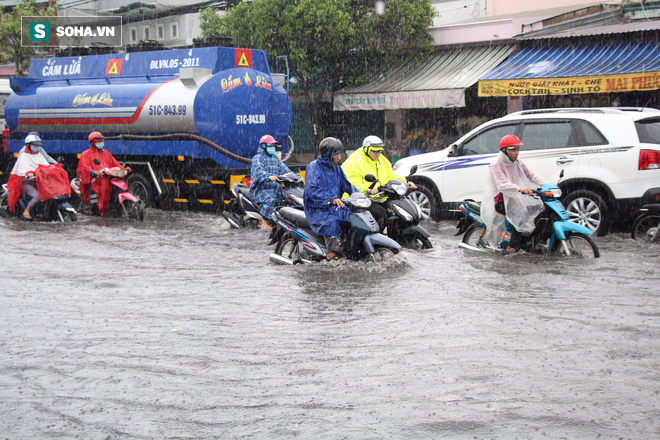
<point x="99" y="145"/>
<point x="33" y="148"/>
<point x="270" y="150"/>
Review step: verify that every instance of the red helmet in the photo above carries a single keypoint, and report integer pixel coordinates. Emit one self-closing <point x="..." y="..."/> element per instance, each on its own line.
<point x="95" y="137"/>
<point x="510" y="141"/>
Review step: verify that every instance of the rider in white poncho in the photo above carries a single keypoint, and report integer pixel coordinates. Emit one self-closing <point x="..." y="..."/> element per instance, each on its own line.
<point x="509" y="184"/>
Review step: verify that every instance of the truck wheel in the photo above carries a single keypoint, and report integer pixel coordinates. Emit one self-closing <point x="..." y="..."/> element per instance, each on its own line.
<point x="588" y="209"/>
<point x="141" y="187"/>
<point x="426" y="200"/>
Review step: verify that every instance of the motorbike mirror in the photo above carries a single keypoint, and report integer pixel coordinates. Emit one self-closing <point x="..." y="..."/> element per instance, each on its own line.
<point x="413" y="170"/>
<point x="371" y="178"/>
<point x="97" y="162"/>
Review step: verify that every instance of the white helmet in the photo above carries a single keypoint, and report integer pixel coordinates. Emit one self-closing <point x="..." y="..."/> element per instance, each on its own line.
<point x="32" y="139"/>
<point x="372" y="141"/>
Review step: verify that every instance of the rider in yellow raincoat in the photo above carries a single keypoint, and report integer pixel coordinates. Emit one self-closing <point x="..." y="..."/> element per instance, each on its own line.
<point x="370" y="160"/>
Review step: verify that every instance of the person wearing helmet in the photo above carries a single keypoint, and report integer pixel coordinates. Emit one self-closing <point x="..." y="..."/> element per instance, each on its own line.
<point x="325" y="183"/>
<point x="507" y="197"/>
<point x="88" y="172"/>
<point x="23" y="178"/>
<point x="370" y="160"/>
<point x="265" y="191"/>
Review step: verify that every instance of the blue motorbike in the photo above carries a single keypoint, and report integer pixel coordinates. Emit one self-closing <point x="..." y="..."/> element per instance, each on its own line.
<point x="296" y="243"/>
<point x="553" y="233"/>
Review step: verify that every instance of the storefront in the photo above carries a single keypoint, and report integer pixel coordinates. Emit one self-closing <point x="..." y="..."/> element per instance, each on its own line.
<point x="411" y="91"/>
<point x="625" y="73"/>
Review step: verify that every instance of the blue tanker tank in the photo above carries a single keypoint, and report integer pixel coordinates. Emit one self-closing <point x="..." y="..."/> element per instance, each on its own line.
<point x="226" y="96"/>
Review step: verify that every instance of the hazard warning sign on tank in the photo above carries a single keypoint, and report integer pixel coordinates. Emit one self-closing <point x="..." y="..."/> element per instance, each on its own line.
<point x="243" y="57"/>
<point x="114" y="67"/>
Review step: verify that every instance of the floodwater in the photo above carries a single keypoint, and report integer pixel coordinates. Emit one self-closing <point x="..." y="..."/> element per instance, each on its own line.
<point x="181" y="328"/>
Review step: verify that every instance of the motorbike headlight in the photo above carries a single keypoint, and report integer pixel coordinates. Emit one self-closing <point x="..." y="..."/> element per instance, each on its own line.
<point x="402" y="213"/>
<point x="362" y="203"/>
<point x="555" y="192"/>
<point x="400" y="188"/>
<point x="417" y="208"/>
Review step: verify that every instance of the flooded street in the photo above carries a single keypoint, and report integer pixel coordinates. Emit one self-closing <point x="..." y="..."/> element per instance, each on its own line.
<point x="181" y="328"/>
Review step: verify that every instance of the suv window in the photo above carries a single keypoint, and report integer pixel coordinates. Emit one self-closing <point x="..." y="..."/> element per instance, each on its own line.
<point x="544" y="135"/>
<point x="591" y="134"/>
<point x="487" y="141"/>
<point x="648" y="131"/>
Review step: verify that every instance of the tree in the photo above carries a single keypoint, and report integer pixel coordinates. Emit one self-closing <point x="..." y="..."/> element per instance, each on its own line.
<point x="330" y="43"/>
<point x="10" y="34"/>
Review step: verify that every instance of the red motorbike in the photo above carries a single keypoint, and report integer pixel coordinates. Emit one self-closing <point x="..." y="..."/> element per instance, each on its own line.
<point x="122" y="202"/>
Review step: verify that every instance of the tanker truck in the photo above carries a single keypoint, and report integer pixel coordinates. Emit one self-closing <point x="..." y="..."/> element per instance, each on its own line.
<point x="187" y="121"/>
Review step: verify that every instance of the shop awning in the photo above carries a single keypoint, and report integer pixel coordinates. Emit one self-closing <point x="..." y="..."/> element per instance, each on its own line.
<point x="438" y="82"/>
<point x="576" y="69"/>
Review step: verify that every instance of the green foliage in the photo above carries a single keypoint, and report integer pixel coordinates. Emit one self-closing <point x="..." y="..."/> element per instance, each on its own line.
<point x="329" y="43"/>
<point x="11" y="49"/>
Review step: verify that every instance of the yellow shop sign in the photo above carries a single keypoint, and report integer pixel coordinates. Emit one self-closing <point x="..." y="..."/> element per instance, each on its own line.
<point x="571" y="86"/>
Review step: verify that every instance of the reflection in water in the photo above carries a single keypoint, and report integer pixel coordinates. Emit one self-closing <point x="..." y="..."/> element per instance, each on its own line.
<point x="180" y="327"/>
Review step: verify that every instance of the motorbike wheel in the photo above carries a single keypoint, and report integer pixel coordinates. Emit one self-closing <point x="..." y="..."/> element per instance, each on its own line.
<point x="416" y="242"/>
<point x="473" y="237"/>
<point x="132" y="210"/>
<point x="293" y="250"/>
<point x="65" y="216"/>
<point x="578" y="244"/>
<point x="381" y="254"/>
<point x="234" y="219"/>
<point x="4" y="207"/>
<point x="645" y="227"/>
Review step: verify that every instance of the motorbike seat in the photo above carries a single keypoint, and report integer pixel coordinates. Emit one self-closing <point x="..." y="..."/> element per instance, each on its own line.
<point x="296" y="216"/>
<point x="243" y="190"/>
<point x="473" y="206"/>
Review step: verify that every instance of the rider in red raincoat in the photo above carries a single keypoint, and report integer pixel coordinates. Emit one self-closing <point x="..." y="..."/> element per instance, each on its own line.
<point x="89" y="172"/>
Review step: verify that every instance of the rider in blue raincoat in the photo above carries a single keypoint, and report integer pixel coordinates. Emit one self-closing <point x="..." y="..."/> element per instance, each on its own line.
<point x="265" y="190"/>
<point x="325" y="183"/>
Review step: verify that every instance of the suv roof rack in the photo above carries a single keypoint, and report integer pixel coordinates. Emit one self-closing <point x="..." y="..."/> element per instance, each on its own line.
<point x="608" y="110"/>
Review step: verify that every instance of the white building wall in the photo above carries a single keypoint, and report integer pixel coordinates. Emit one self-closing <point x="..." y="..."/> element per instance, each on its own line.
<point x="454" y="11"/>
<point x="503" y="7"/>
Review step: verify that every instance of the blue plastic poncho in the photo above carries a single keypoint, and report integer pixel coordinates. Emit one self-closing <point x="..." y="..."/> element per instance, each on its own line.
<point x="325" y="182"/>
<point x="265" y="193"/>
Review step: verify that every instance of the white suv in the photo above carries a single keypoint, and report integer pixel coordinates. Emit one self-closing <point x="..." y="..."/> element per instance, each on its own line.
<point x="610" y="158"/>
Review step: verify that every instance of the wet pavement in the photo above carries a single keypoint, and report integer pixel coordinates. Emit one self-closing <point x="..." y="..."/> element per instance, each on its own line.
<point x="181" y="328"/>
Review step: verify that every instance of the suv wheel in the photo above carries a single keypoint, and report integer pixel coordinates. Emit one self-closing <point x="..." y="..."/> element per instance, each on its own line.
<point x="588" y="209"/>
<point x="426" y="200"/>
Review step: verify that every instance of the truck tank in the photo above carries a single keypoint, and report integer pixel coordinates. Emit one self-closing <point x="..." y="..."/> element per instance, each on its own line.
<point x="218" y="101"/>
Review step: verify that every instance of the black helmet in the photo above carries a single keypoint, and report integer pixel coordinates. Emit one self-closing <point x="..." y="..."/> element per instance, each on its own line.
<point x="330" y="146"/>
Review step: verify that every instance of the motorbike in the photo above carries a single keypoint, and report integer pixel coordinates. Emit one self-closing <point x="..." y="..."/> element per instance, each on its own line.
<point x="403" y="214"/>
<point x="647" y="224"/>
<point x="241" y="211"/>
<point x="553" y="233"/>
<point x="122" y="202"/>
<point x="296" y="243"/>
<point x="56" y="209"/>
